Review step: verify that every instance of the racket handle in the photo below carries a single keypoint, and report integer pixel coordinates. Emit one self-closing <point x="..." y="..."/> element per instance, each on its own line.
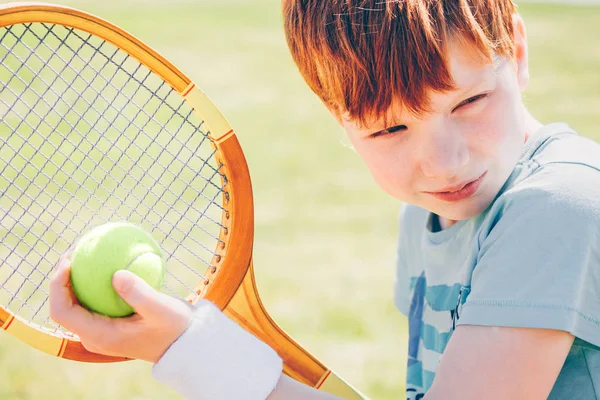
<point x="247" y="310"/>
<point x="335" y="385"/>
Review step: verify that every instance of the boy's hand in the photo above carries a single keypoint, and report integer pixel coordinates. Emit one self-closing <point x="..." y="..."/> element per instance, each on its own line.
<point x="146" y="335"/>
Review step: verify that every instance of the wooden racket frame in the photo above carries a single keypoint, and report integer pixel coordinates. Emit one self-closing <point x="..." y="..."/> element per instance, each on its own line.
<point x="230" y="280"/>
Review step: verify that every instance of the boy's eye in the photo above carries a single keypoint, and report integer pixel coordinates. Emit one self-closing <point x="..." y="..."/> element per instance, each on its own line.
<point x="471" y="100"/>
<point x="388" y="131"/>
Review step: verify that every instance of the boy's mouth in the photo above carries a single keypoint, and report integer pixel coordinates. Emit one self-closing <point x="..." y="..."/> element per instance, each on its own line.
<point x="460" y="191"/>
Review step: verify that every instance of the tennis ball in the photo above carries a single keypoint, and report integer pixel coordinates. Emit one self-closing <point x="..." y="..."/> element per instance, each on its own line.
<point x="105" y="250"/>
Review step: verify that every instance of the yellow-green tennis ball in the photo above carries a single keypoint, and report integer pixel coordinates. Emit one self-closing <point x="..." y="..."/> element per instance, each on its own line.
<point x="105" y="250"/>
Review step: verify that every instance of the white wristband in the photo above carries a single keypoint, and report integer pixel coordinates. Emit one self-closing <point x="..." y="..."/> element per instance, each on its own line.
<point x="215" y="359"/>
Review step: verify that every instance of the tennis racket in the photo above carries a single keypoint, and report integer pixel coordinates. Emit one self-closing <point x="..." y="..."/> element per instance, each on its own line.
<point x="95" y="126"/>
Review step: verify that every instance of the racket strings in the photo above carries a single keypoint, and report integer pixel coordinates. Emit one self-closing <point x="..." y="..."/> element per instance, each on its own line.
<point x="109" y="59"/>
<point x="90" y="135"/>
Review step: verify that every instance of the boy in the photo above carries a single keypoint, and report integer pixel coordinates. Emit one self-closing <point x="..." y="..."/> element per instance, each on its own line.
<point x="498" y="258"/>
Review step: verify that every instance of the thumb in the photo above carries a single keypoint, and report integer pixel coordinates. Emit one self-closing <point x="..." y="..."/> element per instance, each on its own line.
<point x="142" y="297"/>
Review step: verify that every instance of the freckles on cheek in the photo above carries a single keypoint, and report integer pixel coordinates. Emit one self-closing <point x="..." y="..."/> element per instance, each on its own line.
<point x="483" y="135"/>
<point x="398" y="177"/>
<point x="390" y="163"/>
<point x="494" y="127"/>
<point x="389" y="172"/>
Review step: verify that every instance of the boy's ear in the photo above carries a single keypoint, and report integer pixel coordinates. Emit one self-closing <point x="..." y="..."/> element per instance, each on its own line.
<point x="521" y="54"/>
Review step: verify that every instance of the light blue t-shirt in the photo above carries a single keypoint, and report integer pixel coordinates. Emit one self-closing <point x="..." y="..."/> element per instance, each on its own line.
<point x="532" y="259"/>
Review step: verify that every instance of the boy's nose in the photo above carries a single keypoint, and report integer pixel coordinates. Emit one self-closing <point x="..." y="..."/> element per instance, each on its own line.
<point x="444" y="155"/>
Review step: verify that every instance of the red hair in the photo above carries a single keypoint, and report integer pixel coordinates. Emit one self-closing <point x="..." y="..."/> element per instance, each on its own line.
<point x="360" y="56"/>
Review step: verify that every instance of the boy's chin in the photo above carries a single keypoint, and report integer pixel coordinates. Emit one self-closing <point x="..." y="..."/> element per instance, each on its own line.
<point x="462" y="210"/>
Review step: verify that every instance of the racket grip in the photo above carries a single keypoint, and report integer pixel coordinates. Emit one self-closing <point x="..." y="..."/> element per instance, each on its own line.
<point x="246" y="308"/>
<point x="335" y="385"/>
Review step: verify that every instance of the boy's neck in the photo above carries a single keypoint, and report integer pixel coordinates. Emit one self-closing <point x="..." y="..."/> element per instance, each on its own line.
<point x="532" y="125"/>
<point x="445" y="223"/>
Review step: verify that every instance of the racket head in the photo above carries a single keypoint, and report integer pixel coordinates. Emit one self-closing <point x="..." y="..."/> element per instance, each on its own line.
<point x="99" y="127"/>
<point x="226" y="278"/>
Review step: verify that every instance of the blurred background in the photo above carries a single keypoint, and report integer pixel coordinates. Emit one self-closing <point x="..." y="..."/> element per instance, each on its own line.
<point x="325" y="235"/>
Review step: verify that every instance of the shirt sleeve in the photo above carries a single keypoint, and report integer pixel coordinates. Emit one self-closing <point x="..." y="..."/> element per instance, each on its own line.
<point x="539" y="266"/>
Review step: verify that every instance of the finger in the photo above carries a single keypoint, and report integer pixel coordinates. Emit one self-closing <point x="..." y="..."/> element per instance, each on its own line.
<point x="142" y="297"/>
<point x="62" y="276"/>
<point x="135" y="291"/>
<point x="64" y="307"/>
<point x="67" y="254"/>
<point x="70" y="250"/>
<point x="76" y="319"/>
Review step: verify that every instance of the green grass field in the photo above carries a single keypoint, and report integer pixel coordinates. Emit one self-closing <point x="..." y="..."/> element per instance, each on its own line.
<point x="325" y="235"/>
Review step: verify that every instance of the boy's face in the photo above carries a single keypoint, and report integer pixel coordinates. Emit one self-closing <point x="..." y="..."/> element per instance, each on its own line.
<point x="473" y="136"/>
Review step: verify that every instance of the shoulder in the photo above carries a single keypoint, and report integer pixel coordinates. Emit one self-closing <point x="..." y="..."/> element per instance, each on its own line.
<point x="412" y="223"/>
<point x="559" y="202"/>
<point x="561" y="190"/>
<point x="568" y="148"/>
<point x="412" y="226"/>
<point x="560" y="186"/>
<point x="564" y="176"/>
